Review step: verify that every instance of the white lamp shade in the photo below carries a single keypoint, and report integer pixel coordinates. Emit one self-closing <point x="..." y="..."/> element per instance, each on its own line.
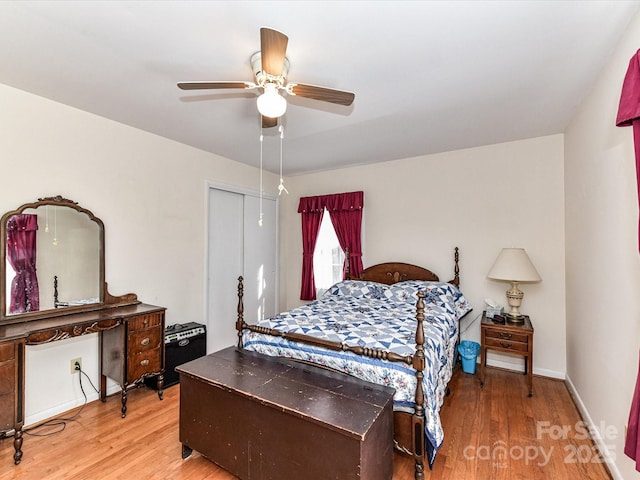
<point x="514" y="265"/>
<point x="271" y="104"/>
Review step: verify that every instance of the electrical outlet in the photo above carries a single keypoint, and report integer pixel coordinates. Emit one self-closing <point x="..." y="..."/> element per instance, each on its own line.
<point x="73" y="365"/>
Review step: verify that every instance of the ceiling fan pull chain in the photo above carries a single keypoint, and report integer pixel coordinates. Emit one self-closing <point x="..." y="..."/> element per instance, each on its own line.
<point x="260" y="220"/>
<point x="281" y="187"/>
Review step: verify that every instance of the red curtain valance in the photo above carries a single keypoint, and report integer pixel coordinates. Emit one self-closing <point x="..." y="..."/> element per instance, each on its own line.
<point x="337" y="202"/>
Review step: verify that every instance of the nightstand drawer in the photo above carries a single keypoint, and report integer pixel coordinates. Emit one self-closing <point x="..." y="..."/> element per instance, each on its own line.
<point x="506" y="344"/>
<point x="506" y="336"/>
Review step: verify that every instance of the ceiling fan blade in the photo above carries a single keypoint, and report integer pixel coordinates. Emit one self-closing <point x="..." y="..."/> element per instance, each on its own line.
<point x="268" y="122"/>
<point x="321" y="93"/>
<point x="273" y="48"/>
<point x="214" y="85"/>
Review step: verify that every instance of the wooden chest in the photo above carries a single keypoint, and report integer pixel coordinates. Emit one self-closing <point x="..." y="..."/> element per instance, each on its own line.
<point x="267" y="418"/>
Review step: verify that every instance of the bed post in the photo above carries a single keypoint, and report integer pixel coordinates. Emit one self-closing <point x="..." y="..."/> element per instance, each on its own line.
<point x="456" y="268"/>
<point x="418" y="415"/>
<point x="240" y="320"/>
<point x="347" y="268"/>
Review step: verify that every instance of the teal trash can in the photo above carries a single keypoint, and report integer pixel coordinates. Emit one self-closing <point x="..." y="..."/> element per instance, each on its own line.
<point x="469" y="351"/>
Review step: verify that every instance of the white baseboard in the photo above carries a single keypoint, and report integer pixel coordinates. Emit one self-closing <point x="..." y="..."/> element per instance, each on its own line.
<point x="519" y="367"/>
<point x="58" y="409"/>
<point x="597" y="437"/>
<point x="65" y="407"/>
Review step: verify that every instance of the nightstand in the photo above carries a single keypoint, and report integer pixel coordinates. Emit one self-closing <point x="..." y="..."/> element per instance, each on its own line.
<point x="510" y="338"/>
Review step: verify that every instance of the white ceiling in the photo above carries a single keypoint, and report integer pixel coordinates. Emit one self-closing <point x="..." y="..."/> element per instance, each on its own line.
<point x="429" y="76"/>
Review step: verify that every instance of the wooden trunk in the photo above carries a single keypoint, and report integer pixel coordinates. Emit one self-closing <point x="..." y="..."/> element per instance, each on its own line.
<point x="267" y="418"/>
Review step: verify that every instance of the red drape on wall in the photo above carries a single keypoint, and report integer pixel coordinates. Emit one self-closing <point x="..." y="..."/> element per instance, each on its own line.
<point x="345" y="210"/>
<point x="347" y="225"/>
<point x="21" y="255"/>
<point x="632" y="441"/>
<point x="311" y="221"/>
<point x="629" y="112"/>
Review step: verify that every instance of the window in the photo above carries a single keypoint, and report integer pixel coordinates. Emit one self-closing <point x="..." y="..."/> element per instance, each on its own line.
<point x="346" y="215"/>
<point x="328" y="258"/>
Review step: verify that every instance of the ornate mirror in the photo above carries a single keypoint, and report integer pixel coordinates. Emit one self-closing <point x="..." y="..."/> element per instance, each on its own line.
<point x="52" y="261"/>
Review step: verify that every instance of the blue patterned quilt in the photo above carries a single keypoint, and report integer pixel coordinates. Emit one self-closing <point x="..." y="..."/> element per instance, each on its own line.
<point x="374" y="315"/>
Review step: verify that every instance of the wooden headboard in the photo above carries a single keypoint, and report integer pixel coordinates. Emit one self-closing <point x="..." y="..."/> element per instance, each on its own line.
<point x="393" y="272"/>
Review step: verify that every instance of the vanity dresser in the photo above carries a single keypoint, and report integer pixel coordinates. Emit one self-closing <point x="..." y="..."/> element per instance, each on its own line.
<point x="52" y="267"/>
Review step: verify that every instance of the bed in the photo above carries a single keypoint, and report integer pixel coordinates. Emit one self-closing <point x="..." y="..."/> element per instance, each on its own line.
<point x="396" y="325"/>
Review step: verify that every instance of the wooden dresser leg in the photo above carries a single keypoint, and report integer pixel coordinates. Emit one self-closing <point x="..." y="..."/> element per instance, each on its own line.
<point x="483" y="361"/>
<point x="530" y="374"/>
<point x="160" y="385"/>
<point x="17" y="445"/>
<point x="124" y="402"/>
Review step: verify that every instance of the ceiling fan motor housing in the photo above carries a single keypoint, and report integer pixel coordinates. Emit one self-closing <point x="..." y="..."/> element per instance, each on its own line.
<point x="262" y="77"/>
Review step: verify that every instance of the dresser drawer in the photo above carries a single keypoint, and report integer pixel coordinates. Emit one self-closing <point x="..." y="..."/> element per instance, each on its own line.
<point x="7" y="380"/>
<point x="506" y="336"/>
<point x="506" y="344"/>
<point x="7" y="412"/>
<point x="144" y="340"/>
<point x="142" y="363"/>
<point x="143" y="322"/>
<point x="7" y="351"/>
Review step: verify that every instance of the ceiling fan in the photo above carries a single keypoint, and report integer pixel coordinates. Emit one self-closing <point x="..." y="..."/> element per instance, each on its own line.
<point x="270" y="68"/>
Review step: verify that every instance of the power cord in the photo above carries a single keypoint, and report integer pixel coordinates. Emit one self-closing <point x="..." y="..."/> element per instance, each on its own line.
<point x="61" y="422"/>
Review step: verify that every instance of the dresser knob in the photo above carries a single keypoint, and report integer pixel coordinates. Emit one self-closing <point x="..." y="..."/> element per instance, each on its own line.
<point x="506" y="336"/>
<point x="505" y="345"/>
<point x="144" y="363"/>
<point x="145" y="341"/>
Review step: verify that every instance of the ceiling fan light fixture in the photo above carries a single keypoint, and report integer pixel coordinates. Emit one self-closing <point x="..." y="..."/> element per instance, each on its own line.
<point x="271" y="104"/>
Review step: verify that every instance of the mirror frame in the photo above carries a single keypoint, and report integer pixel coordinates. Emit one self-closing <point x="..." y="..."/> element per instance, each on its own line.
<point x="106" y="300"/>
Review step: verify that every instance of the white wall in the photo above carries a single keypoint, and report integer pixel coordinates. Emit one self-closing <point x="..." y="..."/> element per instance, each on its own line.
<point x="481" y="199"/>
<point x="150" y="193"/>
<point x="603" y="267"/>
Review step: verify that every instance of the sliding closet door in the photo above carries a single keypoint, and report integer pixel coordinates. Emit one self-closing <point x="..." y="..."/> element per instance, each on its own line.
<point x="238" y="245"/>
<point x="259" y="259"/>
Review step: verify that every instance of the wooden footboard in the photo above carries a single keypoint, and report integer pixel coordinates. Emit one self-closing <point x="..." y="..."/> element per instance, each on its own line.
<point x="416" y="447"/>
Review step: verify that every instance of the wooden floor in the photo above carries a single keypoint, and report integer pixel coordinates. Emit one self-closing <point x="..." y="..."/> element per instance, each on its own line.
<point x="492" y="433"/>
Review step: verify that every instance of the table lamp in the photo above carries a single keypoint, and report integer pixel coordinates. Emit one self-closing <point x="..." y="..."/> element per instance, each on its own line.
<point x="513" y="265"/>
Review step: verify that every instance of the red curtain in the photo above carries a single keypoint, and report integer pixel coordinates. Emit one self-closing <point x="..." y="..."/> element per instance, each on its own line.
<point x="629" y="112"/>
<point x="347" y="225"/>
<point x="632" y="440"/>
<point x="345" y="210"/>
<point x="310" y="226"/>
<point x="21" y="255"/>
